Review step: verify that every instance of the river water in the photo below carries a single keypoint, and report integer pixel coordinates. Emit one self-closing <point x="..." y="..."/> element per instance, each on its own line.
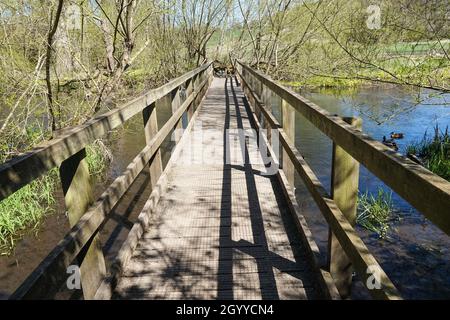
<point x="415" y="254"/>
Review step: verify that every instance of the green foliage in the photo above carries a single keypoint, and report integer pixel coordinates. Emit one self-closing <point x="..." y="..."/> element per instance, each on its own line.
<point x="374" y="212"/>
<point x="325" y="82"/>
<point x="25" y="209"/>
<point x="419" y="47"/>
<point x="434" y="152"/>
<point x="98" y="157"/>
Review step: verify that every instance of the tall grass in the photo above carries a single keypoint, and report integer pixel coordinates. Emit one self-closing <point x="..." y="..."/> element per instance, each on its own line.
<point x="434" y="152"/>
<point x="374" y="212"/>
<point x="98" y="157"/>
<point x="23" y="211"/>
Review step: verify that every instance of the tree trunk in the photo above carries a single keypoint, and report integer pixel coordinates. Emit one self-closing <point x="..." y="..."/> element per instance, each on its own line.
<point x="48" y="60"/>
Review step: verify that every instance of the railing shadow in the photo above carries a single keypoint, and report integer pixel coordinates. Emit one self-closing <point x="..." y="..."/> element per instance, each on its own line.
<point x="268" y="284"/>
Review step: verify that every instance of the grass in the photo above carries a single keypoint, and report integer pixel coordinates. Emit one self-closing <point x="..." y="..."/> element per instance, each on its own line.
<point x="98" y="157"/>
<point x="434" y="152"/>
<point x="24" y="211"/>
<point x="374" y="212"/>
<point x="417" y="47"/>
<point x="324" y="82"/>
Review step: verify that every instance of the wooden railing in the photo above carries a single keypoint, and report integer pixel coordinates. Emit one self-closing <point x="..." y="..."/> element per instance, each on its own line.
<point x="424" y="190"/>
<point x="81" y="245"/>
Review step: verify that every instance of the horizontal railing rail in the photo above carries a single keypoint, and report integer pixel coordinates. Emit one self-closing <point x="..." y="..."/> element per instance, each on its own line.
<point x="427" y="192"/>
<point x="354" y="248"/>
<point x="46" y="280"/>
<point x="23" y="169"/>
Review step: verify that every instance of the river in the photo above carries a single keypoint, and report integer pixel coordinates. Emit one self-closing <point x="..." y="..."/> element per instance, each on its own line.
<point x="415" y="253"/>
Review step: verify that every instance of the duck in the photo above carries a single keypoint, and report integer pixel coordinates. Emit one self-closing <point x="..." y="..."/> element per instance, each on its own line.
<point x="396" y="135"/>
<point x="390" y="143"/>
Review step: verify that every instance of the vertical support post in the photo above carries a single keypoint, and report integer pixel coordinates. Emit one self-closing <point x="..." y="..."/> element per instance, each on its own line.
<point x="288" y="121"/>
<point x="78" y="196"/>
<point x="150" y="130"/>
<point x="176" y="103"/>
<point x="259" y="88"/>
<point x="267" y="100"/>
<point x="344" y="191"/>
<point x="198" y="80"/>
<point x="255" y="86"/>
<point x="189" y="91"/>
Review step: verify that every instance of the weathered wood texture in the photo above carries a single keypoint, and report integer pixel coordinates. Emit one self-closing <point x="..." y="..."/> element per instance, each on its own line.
<point x="45" y="281"/>
<point x="78" y="195"/>
<point x="348" y="238"/>
<point x="426" y="191"/>
<point x="108" y="286"/>
<point x="222" y="229"/>
<point x="344" y="191"/>
<point x="150" y="130"/>
<point x="323" y="277"/>
<point x="23" y="169"/>
<point x="288" y="116"/>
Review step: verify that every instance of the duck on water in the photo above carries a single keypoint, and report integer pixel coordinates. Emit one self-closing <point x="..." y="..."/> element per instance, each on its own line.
<point x="390" y="143"/>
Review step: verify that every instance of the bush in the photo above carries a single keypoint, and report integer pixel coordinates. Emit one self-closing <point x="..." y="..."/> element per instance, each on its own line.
<point x="434" y="152"/>
<point x="25" y="209"/>
<point x="374" y="212"/>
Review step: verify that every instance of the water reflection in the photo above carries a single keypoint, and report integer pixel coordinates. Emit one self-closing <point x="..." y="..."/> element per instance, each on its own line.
<point x="413" y="239"/>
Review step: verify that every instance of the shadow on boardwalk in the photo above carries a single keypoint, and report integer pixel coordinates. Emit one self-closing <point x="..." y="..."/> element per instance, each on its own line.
<point x="222" y="230"/>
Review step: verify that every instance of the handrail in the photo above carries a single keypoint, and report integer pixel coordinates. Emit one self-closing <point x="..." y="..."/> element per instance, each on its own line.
<point x="45" y="280"/>
<point x="347" y="236"/>
<point x="427" y="192"/>
<point x="23" y="169"/>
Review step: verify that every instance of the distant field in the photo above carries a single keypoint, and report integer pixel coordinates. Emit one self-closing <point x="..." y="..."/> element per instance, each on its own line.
<point x="417" y="47"/>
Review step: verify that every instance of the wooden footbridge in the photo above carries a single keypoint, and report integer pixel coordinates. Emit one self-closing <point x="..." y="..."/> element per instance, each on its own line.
<point x="220" y="222"/>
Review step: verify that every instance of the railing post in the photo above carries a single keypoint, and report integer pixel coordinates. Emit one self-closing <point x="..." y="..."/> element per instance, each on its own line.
<point x="344" y="191"/>
<point x="150" y="130"/>
<point x="189" y="91"/>
<point x="176" y="103"/>
<point x="288" y="122"/>
<point x="198" y="80"/>
<point x="255" y="85"/>
<point x="78" y="196"/>
<point x="267" y="100"/>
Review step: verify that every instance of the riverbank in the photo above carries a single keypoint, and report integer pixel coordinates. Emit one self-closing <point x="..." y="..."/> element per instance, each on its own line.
<point x="416" y="71"/>
<point x="23" y="212"/>
<point x="413" y="251"/>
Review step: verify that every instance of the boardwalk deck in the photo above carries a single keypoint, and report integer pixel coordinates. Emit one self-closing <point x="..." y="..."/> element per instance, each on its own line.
<point x="222" y="229"/>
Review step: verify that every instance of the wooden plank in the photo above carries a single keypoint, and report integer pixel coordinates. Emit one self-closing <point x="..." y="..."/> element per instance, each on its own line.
<point x="150" y="130"/>
<point x="107" y="287"/>
<point x="78" y="196"/>
<point x="288" y="122"/>
<point x="189" y="90"/>
<point x="350" y="241"/>
<point x="324" y="278"/>
<point x="348" y="238"/>
<point x="175" y="104"/>
<point x="426" y="191"/>
<point x="250" y="252"/>
<point x="143" y="219"/>
<point x="344" y="191"/>
<point x="46" y="279"/>
<point x="23" y="169"/>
